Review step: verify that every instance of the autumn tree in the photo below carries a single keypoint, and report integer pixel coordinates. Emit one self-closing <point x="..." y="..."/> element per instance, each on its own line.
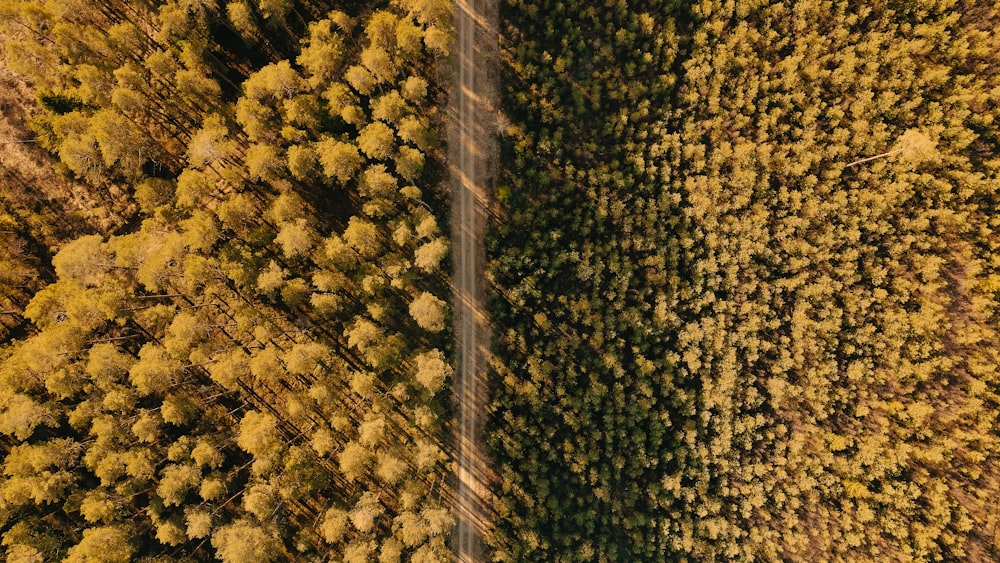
<point x="432" y="370"/>
<point x="340" y="160"/>
<point x="429" y="312"/>
<point x="244" y="540"/>
<point x="105" y="543"/>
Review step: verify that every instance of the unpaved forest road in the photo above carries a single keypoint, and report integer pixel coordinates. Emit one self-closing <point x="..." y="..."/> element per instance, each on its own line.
<point x="473" y="154"/>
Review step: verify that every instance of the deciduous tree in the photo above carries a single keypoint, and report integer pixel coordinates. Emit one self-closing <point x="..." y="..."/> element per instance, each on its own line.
<point x="244" y="540"/>
<point x="105" y="543"/>
<point x="429" y="312"/>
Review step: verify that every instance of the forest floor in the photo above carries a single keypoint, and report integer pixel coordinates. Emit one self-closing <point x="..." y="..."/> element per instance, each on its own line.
<point x="28" y="182"/>
<point x="473" y="153"/>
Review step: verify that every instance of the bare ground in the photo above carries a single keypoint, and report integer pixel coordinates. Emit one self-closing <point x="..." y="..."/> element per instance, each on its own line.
<point x="29" y="182"/>
<point x="473" y="153"/>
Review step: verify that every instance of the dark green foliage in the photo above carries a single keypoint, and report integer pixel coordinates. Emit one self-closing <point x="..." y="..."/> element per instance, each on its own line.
<point x="59" y="103"/>
<point x="720" y="335"/>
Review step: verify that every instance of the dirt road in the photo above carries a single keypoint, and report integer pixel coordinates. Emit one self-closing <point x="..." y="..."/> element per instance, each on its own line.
<point x="473" y="156"/>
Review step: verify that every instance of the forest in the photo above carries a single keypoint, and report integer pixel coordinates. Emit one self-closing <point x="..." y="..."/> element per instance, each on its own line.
<point x="746" y="282"/>
<point x="224" y="273"/>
